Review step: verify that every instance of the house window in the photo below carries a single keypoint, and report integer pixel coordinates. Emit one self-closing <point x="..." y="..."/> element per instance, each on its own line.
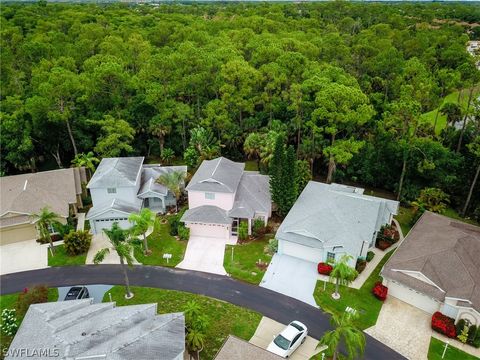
<point x="210" y="196"/>
<point x="157" y="200"/>
<point x="330" y="257"/>
<point x="111" y="190"/>
<point x="51" y="229"/>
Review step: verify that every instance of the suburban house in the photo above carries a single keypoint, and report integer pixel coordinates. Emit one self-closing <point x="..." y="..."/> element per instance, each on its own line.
<point x="437" y="268"/>
<point x="237" y="349"/>
<point x="25" y="195"/>
<point x="326" y="221"/>
<point x="124" y="185"/>
<point x="221" y="194"/>
<point x="79" y="329"/>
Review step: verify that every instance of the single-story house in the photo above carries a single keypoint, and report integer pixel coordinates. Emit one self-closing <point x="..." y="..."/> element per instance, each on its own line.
<point x="121" y="186"/>
<point x="79" y="329"/>
<point x="221" y="194"/>
<point x="329" y="220"/>
<point x="237" y="349"/>
<point x="25" y="195"/>
<point x="437" y="268"/>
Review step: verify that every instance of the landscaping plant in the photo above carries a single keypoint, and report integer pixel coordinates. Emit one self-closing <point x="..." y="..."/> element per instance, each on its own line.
<point x="324" y="268"/>
<point x="463" y="336"/>
<point x="46" y="219"/>
<point x="243" y="231"/>
<point x="370" y="256"/>
<point x="444" y="325"/>
<point x="35" y="295"/>
<point x="196" y="325"/>
<point x="183" y="233"/>
<point x="142" y="221"/>
<point x="77" y="242"/>
<point x="9" y="324"/>
<point x="173" y="181"/>
<point x="380" y="291"/>
<point x="272" y="246"/>
<point x="342" y="274"/>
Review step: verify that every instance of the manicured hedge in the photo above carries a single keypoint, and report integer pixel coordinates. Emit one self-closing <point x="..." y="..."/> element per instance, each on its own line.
<point x="444" y="325"/>
<point x="380" y="291"/>
<point x="324" y="268"/>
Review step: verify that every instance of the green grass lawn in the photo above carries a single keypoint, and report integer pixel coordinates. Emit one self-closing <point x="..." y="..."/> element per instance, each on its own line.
<point x="61" y="258"/>
<point x="367" y="305"/>
<point x="404" y="218"/>
<point x="245" y="256"/>
<point x="451" y="98"/>
<point x="436" y="348"/>
<point x="160" y="242"/>
<point x="224" y="318"/>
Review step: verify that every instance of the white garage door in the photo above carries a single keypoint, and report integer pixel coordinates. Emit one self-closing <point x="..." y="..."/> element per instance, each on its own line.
<point x="413" y="297"/>
<point x="300" y="251"/>
<point x="206" y="230"/>
<point x="101" y="224"/>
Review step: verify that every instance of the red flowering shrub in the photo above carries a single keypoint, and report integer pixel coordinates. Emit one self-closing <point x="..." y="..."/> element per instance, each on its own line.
<point x="380" y="291"/>
<point x="324" y="268"/>
<point x="444" y="325"/>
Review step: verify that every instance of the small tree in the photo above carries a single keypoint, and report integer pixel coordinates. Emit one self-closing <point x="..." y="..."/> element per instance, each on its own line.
<point x="46" y="219"/>
<point x="342" y="274"/>
<point x="431" y="199"/>
<point x="303" y="174"/>
<point x="142" y="221"/>
<point x="196" y="325"/>
<point x="173" y="181"/>
<point x="87" y="160"/>
<point x="77" y="242"/>
<point x="288" y="192"/>
<point x="243" y="230"/>
<point x="463" y="335"/>
<point x="124" y="249"/>
<point x="345" y="332"/>
<point x="167" y="156"/>
<point x="275" y="170"/>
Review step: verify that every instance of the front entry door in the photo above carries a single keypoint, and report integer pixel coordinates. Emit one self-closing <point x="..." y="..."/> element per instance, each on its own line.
<point x="235" y="227"/>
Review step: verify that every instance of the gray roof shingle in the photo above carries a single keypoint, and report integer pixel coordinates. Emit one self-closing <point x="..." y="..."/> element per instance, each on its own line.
<point x="217" y="175"/>
<point x="253" y="196"/>
<point x="81" y="329"/>
<point x="117" y="204"/>
<point x="444" y="250"/>
<point x="207" y="214"/>
<point x="150" y="173"/>
<point x="116" y="172"/>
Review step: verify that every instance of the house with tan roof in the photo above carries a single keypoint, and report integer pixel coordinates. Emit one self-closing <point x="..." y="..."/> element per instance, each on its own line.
<point x="23" y="195"/>
<point x="437" y="268"/>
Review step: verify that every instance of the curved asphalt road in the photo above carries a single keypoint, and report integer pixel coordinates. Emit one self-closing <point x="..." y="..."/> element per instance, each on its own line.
<point x="269" y="303"/>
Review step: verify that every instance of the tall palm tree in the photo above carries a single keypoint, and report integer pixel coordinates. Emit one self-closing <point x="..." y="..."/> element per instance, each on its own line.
<point x="173" y="181"/>
<point x="87" y="160"/>
<point x="196" y="324"/>
<point x="346" y="333"/>
<point x="45" y="219"/>
<point x="342" y="274"/>
<point x="142" y="222"/>
<point x="124" y="248"/>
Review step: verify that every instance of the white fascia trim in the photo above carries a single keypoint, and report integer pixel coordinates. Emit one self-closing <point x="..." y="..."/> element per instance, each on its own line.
<point x="104" y="211"/>
<point x="427" y="280"/>
<point x="454" y="298"/>
<point x="14" y="212"/>
<point x="302" y="232"/>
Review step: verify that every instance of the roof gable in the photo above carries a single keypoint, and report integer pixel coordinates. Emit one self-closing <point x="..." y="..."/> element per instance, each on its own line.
<point x="116" y="172"/>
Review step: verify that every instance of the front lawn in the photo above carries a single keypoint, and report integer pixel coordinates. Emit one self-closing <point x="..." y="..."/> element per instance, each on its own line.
<point x="161" y="242"/>
<point x="367" y="305"/>
<point x="245" y="256"/>
<point x="61" y="258"/>
<point x="404" y="218"/>
<point x="436" y="348"/>
<point x="224" y="318"/>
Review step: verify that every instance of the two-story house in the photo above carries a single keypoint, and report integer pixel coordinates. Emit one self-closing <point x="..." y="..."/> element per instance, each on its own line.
<point x="121" y="186"/>
<point x="221" y="194"/>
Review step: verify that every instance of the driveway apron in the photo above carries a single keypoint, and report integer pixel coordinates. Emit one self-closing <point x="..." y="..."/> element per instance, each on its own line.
<point x="205" y="254"/>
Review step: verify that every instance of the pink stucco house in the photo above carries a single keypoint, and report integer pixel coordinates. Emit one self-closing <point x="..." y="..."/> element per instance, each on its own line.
<point x="220" y="194"/>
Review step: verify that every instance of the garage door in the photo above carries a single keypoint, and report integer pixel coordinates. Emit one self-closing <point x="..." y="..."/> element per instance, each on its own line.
<point x="107" y="224"/>
<point x="300" y="251"/>
<point x="206" y="230"/>
<point x="413" y="297"/>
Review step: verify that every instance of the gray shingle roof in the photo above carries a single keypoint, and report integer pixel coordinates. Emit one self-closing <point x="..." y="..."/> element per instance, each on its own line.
<point x="207" y="214"/>
<point x="116" y="172"/>
<point x="334" y="215"/>
<point x="119" y="205"/>
<point x="81" y="329"/>
<point x="253" y="196"/>
<point x="218" y="175"/>
<point x="237" y="349"/>
<point x="444" y="250"/>
<point x="150" y="173"/>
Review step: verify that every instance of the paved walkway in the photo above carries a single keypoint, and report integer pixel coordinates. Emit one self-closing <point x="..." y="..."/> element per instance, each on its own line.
<point x="99" y="242"/>
<point x="205" y="254"/>
<point x="404" y="328"/>
<point x="80" y="221"/>
<point x="268" y="329"/>
<point x="276" y="306"/>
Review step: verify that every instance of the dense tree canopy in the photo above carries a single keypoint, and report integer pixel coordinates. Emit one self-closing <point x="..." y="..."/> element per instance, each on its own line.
<point x="344" y="83"/>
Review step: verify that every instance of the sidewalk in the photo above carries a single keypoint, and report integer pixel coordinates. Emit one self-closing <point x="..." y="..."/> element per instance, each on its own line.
<point x="80" y="221"/>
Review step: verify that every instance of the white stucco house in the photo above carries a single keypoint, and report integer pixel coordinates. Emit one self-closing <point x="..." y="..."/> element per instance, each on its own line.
<point x="124" y="185"/>
<point x="222" y="193"/>
<point x="437" y="268"/>
<point x="326" y="221"/>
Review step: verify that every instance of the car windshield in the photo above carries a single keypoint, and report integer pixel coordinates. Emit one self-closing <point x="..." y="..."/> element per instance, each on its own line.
<point x="281" y="342"/>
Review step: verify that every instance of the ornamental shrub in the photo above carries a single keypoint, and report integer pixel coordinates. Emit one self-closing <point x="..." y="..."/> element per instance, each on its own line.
<point x="272" y="246"/>
<point x="360" y="265"/>
<point x="243" y="231"/>
<point x="258" y="227"/>
<point x="9" y="324"/>
<point x="77" y="242"/>
<point x="472" y="333"/>
<point x="174" y="222"/>
<point x="324" y="268"/>
<point x="380" y="291"/>
<point x="183" y="233"/>
<point x="35" y="295"/>
<point x="444" y="325"/>
<point x="459" y="326"/>
<point x="463" y="336"/>
<point x="370" y="256"/>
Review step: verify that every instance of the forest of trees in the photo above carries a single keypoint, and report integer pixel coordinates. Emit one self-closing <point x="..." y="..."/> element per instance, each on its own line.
<point x="345" y="84"/>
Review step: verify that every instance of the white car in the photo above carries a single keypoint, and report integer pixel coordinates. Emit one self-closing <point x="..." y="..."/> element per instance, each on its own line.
<point x="285" y="343"/>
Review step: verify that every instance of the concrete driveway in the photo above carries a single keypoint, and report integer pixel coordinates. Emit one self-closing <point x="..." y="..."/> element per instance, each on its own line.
<point x="23" y="256"/>
<point x="205" y="254"/>
<point x="404" y="328"/>
<point x="291" y="276"/>
<point x="268" y="329"/>
<point x="99" y="242"/>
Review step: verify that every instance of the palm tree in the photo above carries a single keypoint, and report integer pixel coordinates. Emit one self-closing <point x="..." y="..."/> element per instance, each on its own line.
<point x="252" y="146"/>
<point x="142" y="222"/>
<point x="45" y="219"/>
<point x="346" y="333"/>
<point x="342" y="274"/>
<point x="173" y="181"/>
<point x="87" y="160"/>
<point x="123" y="246"/>
<point x="196" y="324"/>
